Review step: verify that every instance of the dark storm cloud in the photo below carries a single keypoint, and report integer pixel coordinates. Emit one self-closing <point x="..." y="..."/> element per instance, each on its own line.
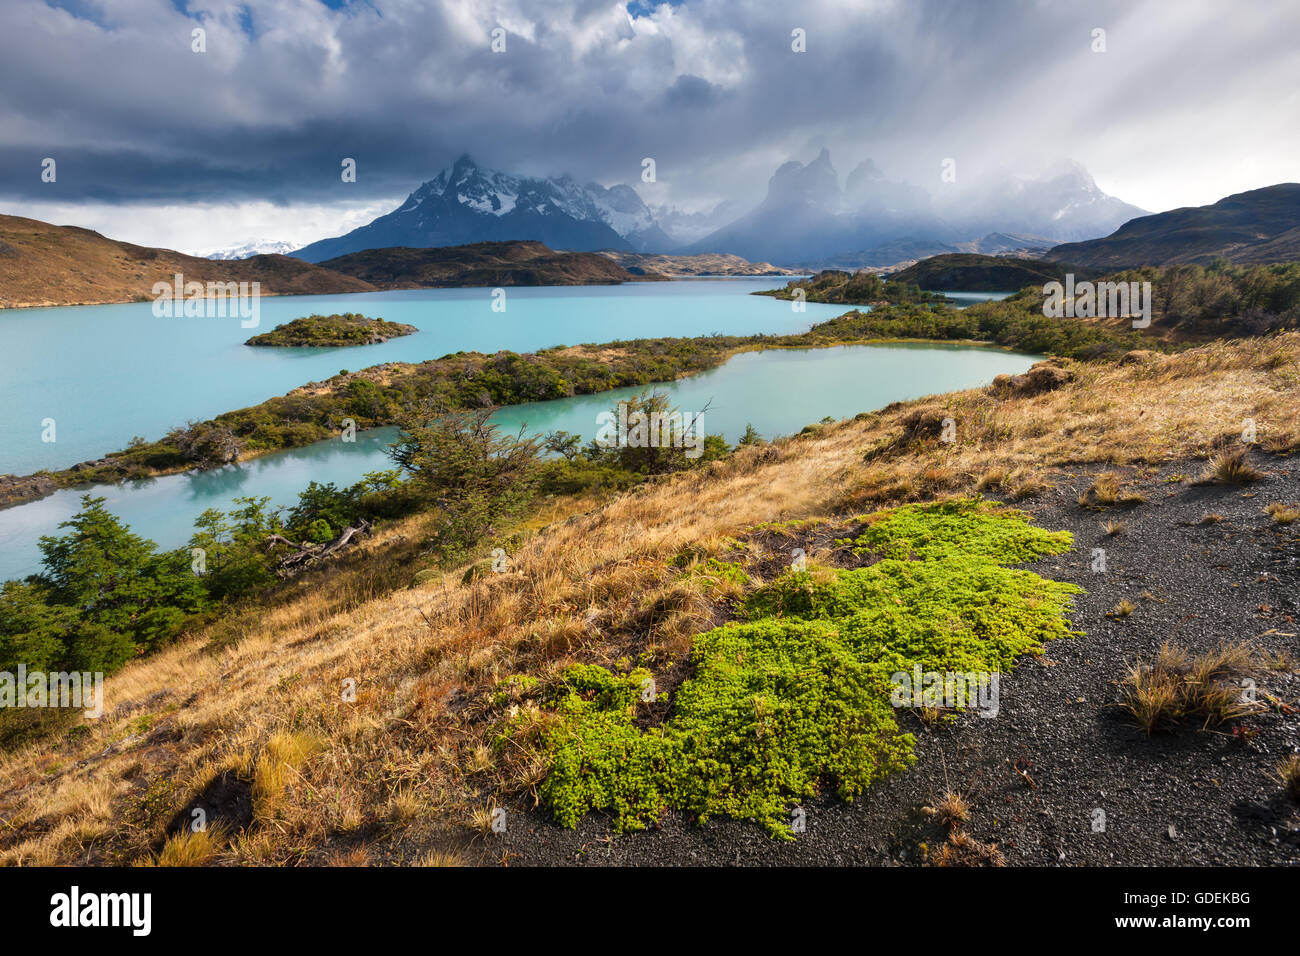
<point x="712" y="90"/>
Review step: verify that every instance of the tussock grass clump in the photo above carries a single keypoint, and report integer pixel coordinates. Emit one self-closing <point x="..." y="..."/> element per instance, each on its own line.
<point x="799" y="691"/>
<point x="277" y="767"/>
<point x="1231" y="468"/>
<point x="962" y="849"/>
<point x="440" y="858"/>
<point x="481" y="819"/>
<point x="951" y="810"/>
<point x="1123" y="609"/>
<point x="1282" y="514"/>
<point x="1288" y="771"/>
<point x="192" y="847"/>
<point x="1175" y="687"/>
<point x="1106" y="491"/>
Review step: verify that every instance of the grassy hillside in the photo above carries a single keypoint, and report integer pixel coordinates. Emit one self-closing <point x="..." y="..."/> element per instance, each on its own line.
<point x="1259" y="226"/>
<point x="479" y="264"/>
<point x="41" y="264"/>
<point x="380" y="709"/>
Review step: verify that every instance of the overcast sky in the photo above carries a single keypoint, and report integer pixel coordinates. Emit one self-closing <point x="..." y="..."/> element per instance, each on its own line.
<point x="157" y="144"/>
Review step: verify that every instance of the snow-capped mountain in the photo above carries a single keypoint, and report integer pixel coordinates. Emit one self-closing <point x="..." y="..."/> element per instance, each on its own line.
<point x="254" y="248"/>
<point x="807" y="217"/>
<point x="685" y="227"/>
<point x="467" y="203"/>
<point x="1062" y="203"/>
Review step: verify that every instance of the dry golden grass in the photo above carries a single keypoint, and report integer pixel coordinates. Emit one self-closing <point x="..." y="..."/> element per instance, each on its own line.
<point x="1288" y="771"/>
<point x="1124" y="608"/>
<point x="590" y="580"/>
<point x="440" y="858"/>
<point x="1175" y="686"/>
<point x="192" y="848"/>
<point x="1232" y="468"/>
<point x="1282" y="514"/>
<point x="1106" y="491"/>
<point x="65" y="265"/>
<point x="278" y="767"/>
<point x="952" y="809"/>
<point x="962" y="849"/>
<point x="1282" y="661"/>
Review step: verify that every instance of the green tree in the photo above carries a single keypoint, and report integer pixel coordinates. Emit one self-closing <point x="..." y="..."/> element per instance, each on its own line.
<point x="476" y="477"/>
<point x="127" y="597"/>
<point x="234" y="556"/>
<point x="33" y="632"/>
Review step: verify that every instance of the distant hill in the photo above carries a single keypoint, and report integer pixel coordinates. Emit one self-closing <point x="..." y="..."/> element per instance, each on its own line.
<point x="900" y="253"/>
<point x="853" y="288"/>
<point x="963" y="272"/>
<point x="479" y="264"/>
<point x="1262" y="225"/>
<point x="43" y="264"/>
<point x="704" y="264"/>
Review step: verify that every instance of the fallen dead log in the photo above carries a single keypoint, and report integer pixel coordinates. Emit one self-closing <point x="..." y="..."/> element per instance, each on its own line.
<point x="309" y="553"/>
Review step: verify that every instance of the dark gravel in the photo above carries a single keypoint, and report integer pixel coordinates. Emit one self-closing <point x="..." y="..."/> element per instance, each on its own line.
<point x="1199" y="797"/>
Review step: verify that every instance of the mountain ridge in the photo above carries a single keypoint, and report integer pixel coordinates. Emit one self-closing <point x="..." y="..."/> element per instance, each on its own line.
<point x="487" y="264"/>
<point x="1255" y="226"/>
<point x="467" y="203"/>
<point x="807" y="218"/>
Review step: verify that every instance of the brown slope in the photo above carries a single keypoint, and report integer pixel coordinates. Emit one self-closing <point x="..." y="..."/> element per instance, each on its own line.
<point x="971" y="272"/>
<point x="1262" y="225"/>
<point x="44" y="264"/>
<point x="521" y="262"/>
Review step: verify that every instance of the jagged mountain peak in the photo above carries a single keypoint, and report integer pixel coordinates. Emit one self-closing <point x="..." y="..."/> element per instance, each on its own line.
<point x="806" y="218"/>
<point x="467" y="202"/>
<point x="816" y="183"/>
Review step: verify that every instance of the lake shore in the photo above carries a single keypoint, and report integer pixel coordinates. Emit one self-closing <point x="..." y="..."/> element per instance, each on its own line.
<point x="112" y="469"/>
<point x="379" y="395"/>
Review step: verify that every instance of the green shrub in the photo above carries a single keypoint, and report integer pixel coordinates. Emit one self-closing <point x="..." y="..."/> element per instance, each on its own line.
<point x="800" y="692"/>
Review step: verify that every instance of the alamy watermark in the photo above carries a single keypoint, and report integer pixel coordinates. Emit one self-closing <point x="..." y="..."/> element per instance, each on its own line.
<point x="1088" y="300"/>
<point x="82" y="690"/>
<point x="951" y="689"/>
<point x="210" y="300"/>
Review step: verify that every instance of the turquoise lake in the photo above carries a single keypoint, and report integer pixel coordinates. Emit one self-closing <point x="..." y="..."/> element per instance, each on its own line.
<point x="105" y="373"/>
<point x="778" y="391"/>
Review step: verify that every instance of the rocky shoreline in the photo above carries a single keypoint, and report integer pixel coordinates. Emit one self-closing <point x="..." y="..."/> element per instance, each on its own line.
<point x="19" y="489"/>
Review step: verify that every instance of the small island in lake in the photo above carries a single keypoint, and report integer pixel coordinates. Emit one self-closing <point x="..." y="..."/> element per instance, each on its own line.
<point x="332" y="331"/>
<point x="854" y="288"/>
